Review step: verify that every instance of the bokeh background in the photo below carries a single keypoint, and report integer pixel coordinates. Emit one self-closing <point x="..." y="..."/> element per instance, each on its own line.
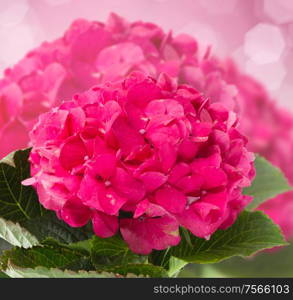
<point x="258" y="34"/>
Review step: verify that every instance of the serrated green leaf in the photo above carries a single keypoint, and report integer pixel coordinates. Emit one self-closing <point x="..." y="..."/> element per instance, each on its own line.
<point x="252" y="232"/>
<point x="4" y="246"/>
<point x="112" y="251"/>
<point x="175" y="266"/>
<point x="147" y="270"/>
<point x="20" y="203"/>
<point x="17" y="202"/>
<point x="15" y="235"/>
<point x="268" y="183"/>
<point x="113" y="255"/>
<point x="50" y="255"/>
<point x="266" y="264"/>
<point x="3" y="275"/>
<point x="42" y="272"/>
<point x="49" y="226"/>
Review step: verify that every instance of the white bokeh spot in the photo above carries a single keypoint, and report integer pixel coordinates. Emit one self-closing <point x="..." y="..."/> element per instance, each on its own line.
<point x="264" y="43"/>
<point x="271" y="75"/>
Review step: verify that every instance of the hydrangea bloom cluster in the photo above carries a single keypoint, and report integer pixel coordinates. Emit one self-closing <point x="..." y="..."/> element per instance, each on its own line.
<point x="142" y="157"/>
<point x="90" y="53"/>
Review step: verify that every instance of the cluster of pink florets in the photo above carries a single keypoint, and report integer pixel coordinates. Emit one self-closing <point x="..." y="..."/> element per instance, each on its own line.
<point x="90" y="53"/>
<point x="143" y="157"/>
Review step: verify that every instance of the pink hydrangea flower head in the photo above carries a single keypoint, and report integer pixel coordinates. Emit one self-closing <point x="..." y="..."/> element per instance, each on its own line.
<point x="143" y="157"/>
<point x="87" y="54"/>
<point x="90" y="53"/>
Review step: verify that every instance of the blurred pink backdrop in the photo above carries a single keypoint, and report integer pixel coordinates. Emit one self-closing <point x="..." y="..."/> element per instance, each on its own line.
<point x="258" y="34"/>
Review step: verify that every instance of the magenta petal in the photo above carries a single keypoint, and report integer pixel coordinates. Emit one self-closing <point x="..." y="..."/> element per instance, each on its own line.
<point x="144" y="92"/>
<point x="96" y="195"/>
<point x="51" y="126"/>
<point x="111" y="112"/>
<point x="11" y="101"/>
<point x="200" y="228"/>
<point x="153" y="180"/>
<point x="219" y="199"/>
<point x="104" y="225"/>
<point x="72" y="153"/>
<point x="141" y="208"/>
<point x="8" y="141"/>
<point x="103" y="165"/>
<point x="213" y="160"/>
<point x="168" y="156"/>
<point x="49" y="201"/>
<point x="179" y="170"/>
<point x="191" y="183"/>
<point x="117" y="60"/>
<point x="75" y="213"/>
<point x="127" y="186"/>
<point x="213" y="177"/>
<point x="188" y="149"/>
<point x="151" y="233"/>
<point x="127" y="137"/>
<point x="171" y="199"/>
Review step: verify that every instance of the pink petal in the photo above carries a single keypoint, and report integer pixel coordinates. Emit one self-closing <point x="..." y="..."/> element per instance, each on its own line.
<point x="213" y="160"/>
<point x="151" y="233"/>
<point x="179" y="170"/>
<point x="184" y="43"/>
<point x="191" y="183"/>
<point x="104" y="225"/>
<point x="127" y="137"/>
<point x="127" y="186"/>
<point x="75" y="213"/>
<point x="103" y="165"/>
<point x="188" y="149"/>
<point x="141" y="208"/>
<point x="153" y="180"/>
<point x="144" y="92"/>
<point x="96" y="195"/>
<point x="89" y="43"/>
<point x="192" y="221"/>
<point x="167" y="156"/>
<point x="8" y="135"/>
<point x="11" y="102"/>
<point x="213" y="177"/>
<point x="171" y="199"/>
<point x="169" y="107"/>
<point x="72" y="153"/>
<point x="117" y="60"/>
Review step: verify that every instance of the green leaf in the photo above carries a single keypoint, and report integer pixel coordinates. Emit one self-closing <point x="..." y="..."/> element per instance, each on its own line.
<point x="266" y="264"/>
<point x="3" y="275"/>
<point x="252" y="232"/>
<point x="4" y="245"/>
<point x="42" y="272"/>
<point x="175" y="266"/>
<point x="112" y="251"/>
<point x="147" y="270"/>
<point x="20" y="204"/>
<point x="49" y="226"/>
<point x="268" y="183"/>
<point x="16" y="235"/>
<point x="50" y="255"/>
<point x="113" y="255"/>
<point x="17" y="202"/>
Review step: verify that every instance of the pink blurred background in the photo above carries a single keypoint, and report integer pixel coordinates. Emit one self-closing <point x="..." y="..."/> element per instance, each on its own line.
<point x="258" y="34"/>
